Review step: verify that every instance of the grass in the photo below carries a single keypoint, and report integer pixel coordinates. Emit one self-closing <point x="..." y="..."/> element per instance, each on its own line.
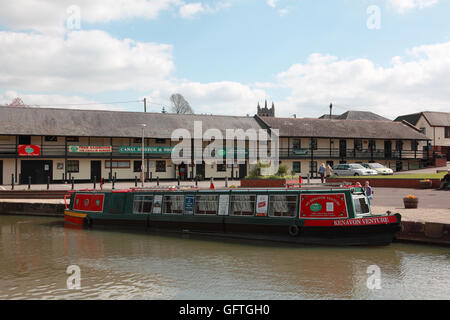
<point x="421" y="176"/>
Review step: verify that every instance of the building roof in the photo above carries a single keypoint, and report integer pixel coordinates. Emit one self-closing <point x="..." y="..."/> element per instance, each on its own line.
<point x="326" y="128"/>
<point x="435" y="119"/>
<point x="98" y="123"/>
<point x="355" y="115"/>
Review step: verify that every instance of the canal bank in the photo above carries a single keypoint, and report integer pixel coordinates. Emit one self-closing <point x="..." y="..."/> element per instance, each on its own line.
<point x="422" y="225"/>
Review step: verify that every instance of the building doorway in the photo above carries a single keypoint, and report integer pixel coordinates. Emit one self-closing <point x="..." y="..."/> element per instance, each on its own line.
<point x="388" y="149"/>
<point x="37" y="170"/>
<point x="96" y="170"/>
<point x="200" y="170"/>
<point x="242" y="170"/>
<point x="342" y="149"/>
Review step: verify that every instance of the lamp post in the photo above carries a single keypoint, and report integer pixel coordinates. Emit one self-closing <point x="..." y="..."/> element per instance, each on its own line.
<point x="143" y="162"/>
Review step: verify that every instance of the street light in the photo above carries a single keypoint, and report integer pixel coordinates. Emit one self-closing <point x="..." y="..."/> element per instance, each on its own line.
<point x="143" y="163"/>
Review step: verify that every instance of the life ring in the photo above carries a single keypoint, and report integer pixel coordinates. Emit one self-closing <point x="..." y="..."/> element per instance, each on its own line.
<point x="294" y="230"/>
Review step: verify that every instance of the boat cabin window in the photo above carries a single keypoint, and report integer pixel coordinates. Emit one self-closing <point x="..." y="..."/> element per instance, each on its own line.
<point x="282" y="205"/>
<point x="206" y="204"/>
<point x="173" y="204"/>
<point x="361" y="206"/>
<point x="243" y="205"/>
<point x="142" y="204"/>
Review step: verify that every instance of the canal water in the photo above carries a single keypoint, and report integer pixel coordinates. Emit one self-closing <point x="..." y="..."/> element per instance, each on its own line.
<point x="41" y="259"/>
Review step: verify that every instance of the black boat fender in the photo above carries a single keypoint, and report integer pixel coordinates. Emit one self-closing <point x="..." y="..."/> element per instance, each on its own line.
<point x="294" y="230"/>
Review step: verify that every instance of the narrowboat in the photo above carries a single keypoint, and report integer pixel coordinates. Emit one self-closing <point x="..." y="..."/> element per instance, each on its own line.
<point x="322" y="215"/>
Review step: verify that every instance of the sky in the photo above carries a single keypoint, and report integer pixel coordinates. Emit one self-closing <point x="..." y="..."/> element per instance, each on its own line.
<point x="391" y="57"/>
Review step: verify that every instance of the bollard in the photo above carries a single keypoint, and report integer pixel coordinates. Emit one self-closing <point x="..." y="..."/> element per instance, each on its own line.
<point x="113" y="182"/>
<point x="29" y="182"/>
<point x="101" y="184"/>
<point x="151" y="176"/>
<point x="196" y="180"/>
<point x="308" y="177"/>
<point x="226" y="182"/>
<point x="48" y="182"/>
<point x="12" y="181"/>
<point x="157" y="180"/>
<point x="20" y="178"/>
<point x="95" y="182"/>
<point x="73" y="183"/>
<point x="135" y="181"/>
<point x="178" y="180"/>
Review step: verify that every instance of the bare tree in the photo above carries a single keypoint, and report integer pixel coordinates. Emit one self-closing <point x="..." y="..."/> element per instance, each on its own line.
<point x="180" y="105"/>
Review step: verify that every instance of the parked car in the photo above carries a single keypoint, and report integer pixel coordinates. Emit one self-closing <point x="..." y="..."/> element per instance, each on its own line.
<point x="352" y="169"/>
<point x="379" y="168"/>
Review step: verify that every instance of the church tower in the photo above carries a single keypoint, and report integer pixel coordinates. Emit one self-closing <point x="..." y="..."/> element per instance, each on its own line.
<point x="266" y="112"/>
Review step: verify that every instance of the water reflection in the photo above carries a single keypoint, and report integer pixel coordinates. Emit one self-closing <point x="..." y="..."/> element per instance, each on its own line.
<point x="35" y="253"/>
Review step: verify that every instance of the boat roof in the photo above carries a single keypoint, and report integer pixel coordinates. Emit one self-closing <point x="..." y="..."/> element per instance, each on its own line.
<point x="289" y="188"/>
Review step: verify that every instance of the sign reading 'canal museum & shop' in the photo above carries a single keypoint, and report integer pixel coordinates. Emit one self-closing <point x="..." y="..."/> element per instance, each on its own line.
<point x="149" y="149"/>
<point x="29" y="150"/>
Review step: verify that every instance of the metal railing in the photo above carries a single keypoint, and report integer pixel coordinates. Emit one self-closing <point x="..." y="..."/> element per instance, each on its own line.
<point x="60" y="151"/>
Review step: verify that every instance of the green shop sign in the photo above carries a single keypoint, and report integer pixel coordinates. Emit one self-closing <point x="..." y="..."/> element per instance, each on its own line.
<point x="132" y="149"/>
<point x="233" y="153"/>
<point x="300" y="152"/>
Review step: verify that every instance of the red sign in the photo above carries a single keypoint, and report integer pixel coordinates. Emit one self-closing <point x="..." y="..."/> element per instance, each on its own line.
<point x="322" y="206"/>
<point x="351" y="222"/>
<point x="89" y="202"/>
<point x="29" y="150"/>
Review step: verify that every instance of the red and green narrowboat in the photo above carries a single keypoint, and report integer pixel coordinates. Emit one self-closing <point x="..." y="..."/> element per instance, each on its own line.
<point x="319" y="215"/>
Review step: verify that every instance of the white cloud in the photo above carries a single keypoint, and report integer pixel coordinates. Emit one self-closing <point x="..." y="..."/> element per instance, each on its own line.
<point x="405" y="5"/>
<point x="272" y="3"/>
<point x="190" y="10"/>
<point x="416" y="82"/>
<point x="48" y="16"/>
<point x="83" y="61"/>
<point x="57" y="100"/>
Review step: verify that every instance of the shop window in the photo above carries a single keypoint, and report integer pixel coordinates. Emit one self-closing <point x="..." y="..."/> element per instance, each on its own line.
<point x="221" y="167"/>
<point x="73" y="166"/>
<point x="25" y="140"/>
<point x="51" y="138"/>
<point x="160" y="166"/>
<point x="414" y="145"/>
<point x="447" y="132"/>
<point x="282" y="205"/>
<point x="313" y="143"/>
<point x="206" y="204"/>
<point x="372" y="145"/>
<point x="137" y="140"/>
<point x="160" y="141"/>
<point x="296" y="166"/>
<point x="142" y="204"/>
<point x="296" y="144"/>
<point x="118" y="164"/>
<point x="72" y="139"/>
<point x="173" y="204"/>
<point x="358" y="145"/>
<point x="243" y="205"/>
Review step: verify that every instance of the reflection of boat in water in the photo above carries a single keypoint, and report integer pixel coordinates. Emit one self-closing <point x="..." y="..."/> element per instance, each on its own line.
<point x="318" y="215"/>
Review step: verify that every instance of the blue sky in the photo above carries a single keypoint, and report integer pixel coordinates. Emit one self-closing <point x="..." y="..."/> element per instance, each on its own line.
<point x="225" y="56"/>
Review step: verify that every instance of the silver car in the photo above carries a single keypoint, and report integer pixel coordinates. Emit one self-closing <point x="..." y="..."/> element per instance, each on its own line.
<point x="352" y="169"/>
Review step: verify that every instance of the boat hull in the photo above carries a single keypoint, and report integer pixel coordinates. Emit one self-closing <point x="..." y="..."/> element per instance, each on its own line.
<point x="317" y="232"/>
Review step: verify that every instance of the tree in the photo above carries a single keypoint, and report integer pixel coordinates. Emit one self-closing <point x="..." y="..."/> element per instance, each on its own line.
<point x="180" y="105"/>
